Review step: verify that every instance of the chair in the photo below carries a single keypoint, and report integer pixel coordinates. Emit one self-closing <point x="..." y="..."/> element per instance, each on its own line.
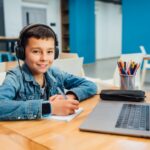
<point x="72" y="63"/>
<point x="115" y="81"/>
<point x="5" y="66"/>
<point x="68" y="55"/>
<point x="72" y="55"/>
<point x="146" y="65"/>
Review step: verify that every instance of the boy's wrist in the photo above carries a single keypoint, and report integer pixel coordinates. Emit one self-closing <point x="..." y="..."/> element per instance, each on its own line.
<point x="71" y="95"/>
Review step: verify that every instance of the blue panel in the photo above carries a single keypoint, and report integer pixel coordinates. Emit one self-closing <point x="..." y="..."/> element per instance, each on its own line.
<point x="82" y="29"/>
<point x="136" y="25"/>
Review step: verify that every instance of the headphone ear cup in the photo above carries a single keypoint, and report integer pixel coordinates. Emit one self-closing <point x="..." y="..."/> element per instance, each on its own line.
<point x="20" y="52"/>
<point x="56" y="53"/>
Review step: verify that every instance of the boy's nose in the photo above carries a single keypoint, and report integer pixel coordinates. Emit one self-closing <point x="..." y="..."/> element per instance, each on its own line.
<point x="44" y="56"/>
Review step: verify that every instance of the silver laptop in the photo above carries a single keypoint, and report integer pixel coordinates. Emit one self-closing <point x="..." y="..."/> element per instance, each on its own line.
<point x="127" y="118"/>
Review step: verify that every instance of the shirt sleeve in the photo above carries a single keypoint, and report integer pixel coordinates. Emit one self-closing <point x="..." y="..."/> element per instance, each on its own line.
<point x="20" y="110"/>
<point x="11" y="109"/>
<point x="81" y="87"/>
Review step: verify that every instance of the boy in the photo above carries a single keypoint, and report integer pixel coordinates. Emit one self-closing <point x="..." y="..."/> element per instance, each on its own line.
<point x="35" y="89"/>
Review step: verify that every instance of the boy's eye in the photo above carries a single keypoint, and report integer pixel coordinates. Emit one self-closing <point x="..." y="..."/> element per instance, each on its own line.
<point x="36" y="51"/>
<point x="50" y="52"/>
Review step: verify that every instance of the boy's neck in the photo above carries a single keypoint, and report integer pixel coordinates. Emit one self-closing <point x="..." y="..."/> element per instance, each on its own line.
<point x="40" y="79"/>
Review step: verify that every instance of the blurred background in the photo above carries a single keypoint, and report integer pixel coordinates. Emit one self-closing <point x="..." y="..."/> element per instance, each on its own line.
<point x="98" y="30"/>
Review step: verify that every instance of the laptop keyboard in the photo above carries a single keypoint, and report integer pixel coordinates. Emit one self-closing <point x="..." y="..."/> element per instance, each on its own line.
<point x="134" y="117"/>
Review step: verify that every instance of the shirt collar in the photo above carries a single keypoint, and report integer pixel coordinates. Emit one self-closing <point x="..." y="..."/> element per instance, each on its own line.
<point x="50" y="79"/>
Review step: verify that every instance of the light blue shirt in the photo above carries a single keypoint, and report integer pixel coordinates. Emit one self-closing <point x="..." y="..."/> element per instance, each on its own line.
<point x="20" y="94"/>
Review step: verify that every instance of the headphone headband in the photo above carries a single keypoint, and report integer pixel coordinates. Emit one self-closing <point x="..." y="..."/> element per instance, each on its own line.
<point x="28" y="27"/>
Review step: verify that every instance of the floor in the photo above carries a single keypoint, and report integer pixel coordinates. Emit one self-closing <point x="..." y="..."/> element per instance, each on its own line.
<point x="104" y="69"/>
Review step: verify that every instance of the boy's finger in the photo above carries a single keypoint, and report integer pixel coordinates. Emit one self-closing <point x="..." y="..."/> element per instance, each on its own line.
<point x="75" y="102"/>
<point x="52" y="98"/>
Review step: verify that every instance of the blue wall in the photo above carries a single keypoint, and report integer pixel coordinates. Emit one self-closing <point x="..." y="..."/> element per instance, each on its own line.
<point x="82" y="28"/>
<point x="136" y="25"/>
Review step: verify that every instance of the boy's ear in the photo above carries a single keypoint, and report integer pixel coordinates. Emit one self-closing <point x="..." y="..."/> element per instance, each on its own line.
<point x="20" y="53"/>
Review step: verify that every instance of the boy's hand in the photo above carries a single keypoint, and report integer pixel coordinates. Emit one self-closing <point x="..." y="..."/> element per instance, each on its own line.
<point x="56" y="97"/>
<point x="64" y="107"/>
<point x="61" y="97"/>
<point x="71" y="96"/>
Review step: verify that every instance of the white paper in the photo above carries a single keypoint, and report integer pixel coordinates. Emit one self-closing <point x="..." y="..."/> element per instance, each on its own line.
<point x="66" y="118"/>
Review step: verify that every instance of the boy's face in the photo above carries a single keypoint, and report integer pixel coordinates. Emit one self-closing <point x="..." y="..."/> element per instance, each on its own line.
<point x="39" y="54"/>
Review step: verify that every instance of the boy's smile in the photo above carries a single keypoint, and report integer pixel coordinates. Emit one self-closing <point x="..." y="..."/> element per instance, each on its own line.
<point x="39" y="54"/>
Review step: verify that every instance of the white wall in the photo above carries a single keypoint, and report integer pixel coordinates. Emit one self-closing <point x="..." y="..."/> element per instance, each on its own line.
<point x="54" y="16"/>
<point x="108" y="27"/>
<point x="13" y="16"/>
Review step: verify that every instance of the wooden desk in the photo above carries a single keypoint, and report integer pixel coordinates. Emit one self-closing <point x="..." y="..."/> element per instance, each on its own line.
<point x="57" y="135"/>
<point x="12" y="140"/>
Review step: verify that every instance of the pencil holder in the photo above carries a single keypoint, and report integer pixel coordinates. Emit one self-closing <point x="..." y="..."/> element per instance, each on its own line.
<point x="127" y="82"/>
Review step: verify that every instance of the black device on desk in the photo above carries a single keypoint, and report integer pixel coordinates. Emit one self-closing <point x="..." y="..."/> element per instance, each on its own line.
<point x="123" y="95"/>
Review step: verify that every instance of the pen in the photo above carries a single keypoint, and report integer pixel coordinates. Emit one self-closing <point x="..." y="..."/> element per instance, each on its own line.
<point x="122" y="70"/>
<point x="137" y="66"/>
<point x="125" y="66"/>
<point x="62" y="93"/>
<point x="119" y="68"/>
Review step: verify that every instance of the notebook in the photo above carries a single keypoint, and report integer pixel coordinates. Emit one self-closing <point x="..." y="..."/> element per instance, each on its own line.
<point x="125" y="118"/>
<point x="65" y="118"/>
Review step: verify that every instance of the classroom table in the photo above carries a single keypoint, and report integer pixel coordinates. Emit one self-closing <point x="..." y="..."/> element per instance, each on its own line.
<point x="59" y="135"/>
<point x="10" y="139"/>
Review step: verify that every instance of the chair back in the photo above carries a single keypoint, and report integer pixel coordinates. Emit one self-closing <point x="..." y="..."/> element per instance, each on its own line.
<point x="70" y="65"/>
<point x="142" y="48"/>
<point x="68" y="55"/>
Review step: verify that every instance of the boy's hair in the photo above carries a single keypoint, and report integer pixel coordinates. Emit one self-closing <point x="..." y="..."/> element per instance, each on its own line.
<point x="39" y="32"/>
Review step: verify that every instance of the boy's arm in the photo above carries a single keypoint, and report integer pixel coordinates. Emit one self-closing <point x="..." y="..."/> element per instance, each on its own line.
<point x="20" y="110"/>
<point x="11" y="109"/>
<point x="80" y="87"/>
